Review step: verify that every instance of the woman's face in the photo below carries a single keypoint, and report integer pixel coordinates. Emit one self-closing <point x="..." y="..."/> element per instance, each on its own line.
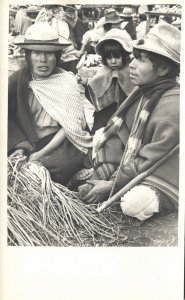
<point x="42" y="63"/>
<point x="114" y="63"/>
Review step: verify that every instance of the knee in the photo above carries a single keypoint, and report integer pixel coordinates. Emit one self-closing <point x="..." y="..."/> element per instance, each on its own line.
<point x="140" y="202"/>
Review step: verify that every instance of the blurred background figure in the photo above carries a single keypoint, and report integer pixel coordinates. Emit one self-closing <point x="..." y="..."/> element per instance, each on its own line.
<point x="127" y="22"/>
<point x="23" y="20"/>
<point x="53" y="15"/>
<point x="92" y="37"/>
<point x="142" y="26"/>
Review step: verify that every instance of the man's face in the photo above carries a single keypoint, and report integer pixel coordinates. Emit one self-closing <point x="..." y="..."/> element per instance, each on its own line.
<point x="43" y="63"/>
<point x="142" y="71"/>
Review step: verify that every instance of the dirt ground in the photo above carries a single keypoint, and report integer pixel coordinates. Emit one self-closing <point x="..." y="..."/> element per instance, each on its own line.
<point x="160" y="230"/>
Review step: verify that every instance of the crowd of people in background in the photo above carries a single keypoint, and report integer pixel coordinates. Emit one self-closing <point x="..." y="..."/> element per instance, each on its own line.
<point x="133" y="96"/>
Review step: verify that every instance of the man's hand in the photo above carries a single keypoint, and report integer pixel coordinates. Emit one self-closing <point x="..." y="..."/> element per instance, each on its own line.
<point x="99" y="192"/>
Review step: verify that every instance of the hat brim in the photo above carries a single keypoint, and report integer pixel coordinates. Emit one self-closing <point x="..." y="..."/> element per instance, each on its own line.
<point x="111" y="22"/>
<point x="123" y="44"/>
<point x="41" y="45"/>
<point x="126" y="16"/>
<point x="151" y="46"/>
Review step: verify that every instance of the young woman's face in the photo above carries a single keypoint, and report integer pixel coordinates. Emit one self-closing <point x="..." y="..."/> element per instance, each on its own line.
<point x="142" y="71"/>
<point x="114" y="63"/>
<point x="42" y="63"/>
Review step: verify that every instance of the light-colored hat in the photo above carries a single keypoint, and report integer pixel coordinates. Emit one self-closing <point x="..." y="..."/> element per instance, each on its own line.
<point x="127" y="12"/>
<point x="111" y="16"/>
<point x="41" y="37"/>
<point x="163" y="39"/>
<point x="32" y="9"/>
<point x="121" y="36"/>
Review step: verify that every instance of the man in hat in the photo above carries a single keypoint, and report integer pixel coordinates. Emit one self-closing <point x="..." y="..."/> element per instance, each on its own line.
<point x="144" y="131"/>
<point x="92" y="37"/>
<point x="128" y="24"/>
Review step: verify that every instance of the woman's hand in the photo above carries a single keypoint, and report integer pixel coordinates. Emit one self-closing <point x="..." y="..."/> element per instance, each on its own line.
<point x="17" y="153"/>
<point x="35" y="156"/>
<point x="101" y="189"/>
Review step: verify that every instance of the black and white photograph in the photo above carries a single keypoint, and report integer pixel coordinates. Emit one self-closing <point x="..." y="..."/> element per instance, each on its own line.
<point x="93" y="128"/>
<point x="93" y="134"/>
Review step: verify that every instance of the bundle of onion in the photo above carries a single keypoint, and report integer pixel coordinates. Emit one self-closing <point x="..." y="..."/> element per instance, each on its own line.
<point x="41" y="212"/>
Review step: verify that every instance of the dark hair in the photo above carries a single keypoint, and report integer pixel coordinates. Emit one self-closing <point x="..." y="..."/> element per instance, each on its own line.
<point x="142" y="17"/>
<point x="158" y="60"/>
<point x="51" y="6"/>
<point x="107" y="26"/>
<point x="28" y="60"/>
<point x="113" y="48"/>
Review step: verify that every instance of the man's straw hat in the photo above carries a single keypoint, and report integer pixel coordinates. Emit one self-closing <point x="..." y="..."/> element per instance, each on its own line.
<point x="121" y="36"/>
<point x="163" y="39"/>
<point x="41" y="37"/>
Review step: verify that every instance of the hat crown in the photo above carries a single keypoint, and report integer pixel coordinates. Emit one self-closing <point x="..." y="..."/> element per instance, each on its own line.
<point x="119" y="34"/>
<point x="163" y="39"/>
<point x="41" y="32"/>
<point x="127" y="11"/>
<point x="32" y="8"/>
<point x="111" y="15"/>
<point x="167" y="36"/>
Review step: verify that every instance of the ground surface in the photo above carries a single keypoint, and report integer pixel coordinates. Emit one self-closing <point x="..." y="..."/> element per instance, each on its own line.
<point x="160" y="230"/>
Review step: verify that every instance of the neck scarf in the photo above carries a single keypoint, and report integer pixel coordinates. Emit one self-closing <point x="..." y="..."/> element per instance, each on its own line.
<point x="60" y="97"/>
<point x="153" y="92"/>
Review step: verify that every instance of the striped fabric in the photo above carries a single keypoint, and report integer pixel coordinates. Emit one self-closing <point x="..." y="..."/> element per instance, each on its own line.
<point x="151" y="95"/>
<point x="164" y="186"/>
<point x="135" y="138"/>
<point x="60" y="97"/>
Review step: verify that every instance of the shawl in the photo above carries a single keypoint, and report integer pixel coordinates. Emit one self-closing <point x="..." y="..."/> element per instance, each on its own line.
<point x="101" y="85"/>
<point x="152" y="92"/>
<point x="60" y="97"/>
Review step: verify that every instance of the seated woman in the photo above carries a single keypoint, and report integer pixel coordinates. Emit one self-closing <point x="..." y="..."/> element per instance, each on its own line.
<point x="111" y="84"/>
<point x="46" y="118"/>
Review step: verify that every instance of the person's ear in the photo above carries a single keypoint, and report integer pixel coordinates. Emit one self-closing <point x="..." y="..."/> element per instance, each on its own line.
<point x="163" y="70"/>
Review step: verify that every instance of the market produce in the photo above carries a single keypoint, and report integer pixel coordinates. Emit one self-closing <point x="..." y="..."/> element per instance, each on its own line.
<point x="41" y="212"/>
<point x="92" y="60"/>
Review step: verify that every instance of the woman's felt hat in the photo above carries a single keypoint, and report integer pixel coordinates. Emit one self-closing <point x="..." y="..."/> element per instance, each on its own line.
<point x="111" y="16"/>
<point x="119" y="35"/>
<point x="127" y="12"/>
<point x="163" y="39"/>
<point x="41" y="37"/>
